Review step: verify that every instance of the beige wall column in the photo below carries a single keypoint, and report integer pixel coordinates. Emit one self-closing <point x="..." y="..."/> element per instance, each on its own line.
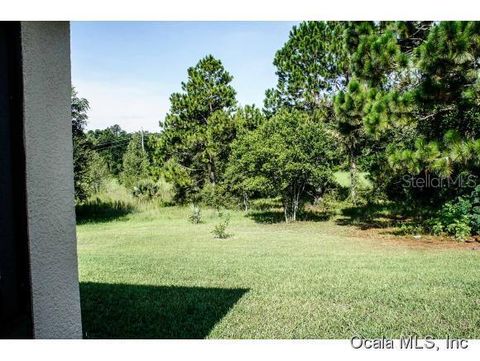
<point x="49" y="179"/>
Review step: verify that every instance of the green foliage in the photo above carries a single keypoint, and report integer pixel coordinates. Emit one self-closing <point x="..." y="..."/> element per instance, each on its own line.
<point x="111" y="143"/>
<point x="97" y="172"/>
<point x="436" y="227"/>
<point x="459" y="229"/>
<point x="390" y="99"/>
<point x="440" y="103"/>
<point x="135" y="163"/>
<point x="442" y="157"/>
<point x="178" y="175"/>
<point x="459" y="218"/>
<point x="448" y="91"/>
<point x="147" y="190"/>
<point x="81" y="146"/>
<point x="410" y="229"/>
<point x="198" y="129"/>
<point x="344" y="84"/>
<point x="81" y="156"/>
<point x="220" y="229"/>
<point x="195" y="216"/>
<point x="247" y="118"/>
<point x="375" y="53"/>
<point x="215" y="196"/>
<point x="79" y="107"/>
<point x="115" y="202"/>
<point x="289" y="155"/>
<point x="349" y="111"/>
<point x="310" y="66"/>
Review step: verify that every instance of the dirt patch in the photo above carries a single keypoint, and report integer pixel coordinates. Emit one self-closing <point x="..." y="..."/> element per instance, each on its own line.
<point x="385" y="237"/>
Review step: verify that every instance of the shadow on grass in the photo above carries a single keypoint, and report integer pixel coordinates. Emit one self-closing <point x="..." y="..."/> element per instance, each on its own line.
<point x="138" y="311"/>
<point x="370" y="216"/>
<point x="272" y="216"/>
<point x="102" y="211"/>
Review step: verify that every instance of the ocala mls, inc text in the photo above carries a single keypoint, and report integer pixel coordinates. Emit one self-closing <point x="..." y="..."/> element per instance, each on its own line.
<point x="408" y="343"/>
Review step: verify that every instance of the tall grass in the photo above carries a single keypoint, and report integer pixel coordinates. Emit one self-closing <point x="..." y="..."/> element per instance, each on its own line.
<point x="114" y="201"/>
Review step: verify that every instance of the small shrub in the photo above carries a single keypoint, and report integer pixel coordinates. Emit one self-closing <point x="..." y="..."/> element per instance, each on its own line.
<point x="196" y="215"/>
<point x="459" y="218"/>
<point x="148" y="190"/>
<point x="460" y="230"/>
<point x="475" y="211"/>
<point x="410" y="229"/>
<point x="220" y="212"/>
<point x="216" y="196"/>
<point x="220" y="230"/>
<point x="145" y="189"/>
<point x="329" y="202"/>
<point x="436" y="228"/>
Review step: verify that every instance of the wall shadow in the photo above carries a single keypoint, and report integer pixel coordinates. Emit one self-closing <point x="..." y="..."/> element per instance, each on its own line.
<point x="98" y="210"/>
<point x="138" y="311"/>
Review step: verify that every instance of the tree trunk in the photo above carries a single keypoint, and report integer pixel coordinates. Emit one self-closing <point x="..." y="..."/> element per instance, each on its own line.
<point x="353" y="179"/>
<point x="245" y="201"/>
<point x="291" y="203"/>
<point x="211" y="172"/>
<point x="295" y="201"/>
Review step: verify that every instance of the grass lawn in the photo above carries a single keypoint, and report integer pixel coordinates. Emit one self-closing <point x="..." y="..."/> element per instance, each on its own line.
<point x="152" y="274"/>
<point x="343" y="179"/>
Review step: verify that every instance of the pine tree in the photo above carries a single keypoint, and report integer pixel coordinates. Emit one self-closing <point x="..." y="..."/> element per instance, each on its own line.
<point x="199" y="128"/>
<point x="316" y="71"/>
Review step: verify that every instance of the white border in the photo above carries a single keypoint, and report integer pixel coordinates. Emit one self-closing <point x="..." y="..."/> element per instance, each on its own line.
<point x="240" y="10"/>
<point x="213" y="350"/>
<point x="228" y="10"/>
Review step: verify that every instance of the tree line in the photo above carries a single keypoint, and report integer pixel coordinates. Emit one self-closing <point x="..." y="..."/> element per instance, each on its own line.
<point x="395" y="100"/>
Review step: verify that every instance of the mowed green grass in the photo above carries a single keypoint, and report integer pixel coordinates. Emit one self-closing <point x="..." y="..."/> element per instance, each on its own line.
<point x="155" y="275"/>
<point x="343" y="179"/>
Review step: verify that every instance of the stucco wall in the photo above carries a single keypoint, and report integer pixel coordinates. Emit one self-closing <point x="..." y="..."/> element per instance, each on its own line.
<point x="49" y="176"/>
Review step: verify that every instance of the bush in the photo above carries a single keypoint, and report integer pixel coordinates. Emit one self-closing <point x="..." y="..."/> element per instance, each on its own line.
<point x="459" y="218"/>
<point x="436" y="227"/>
<point x="196" y="216"/>
<point x="215" y="196"/>
<point x="97" y="173"/>
<point x="475" y="211"/>
<point x="459" y="229"/>
<point x="220" y="230"/>
<point x="410" y="229"/>
<point x="147" y="189"/>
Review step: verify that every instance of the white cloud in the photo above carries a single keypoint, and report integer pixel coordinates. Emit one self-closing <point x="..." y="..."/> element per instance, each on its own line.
<point x="133" y="106"/>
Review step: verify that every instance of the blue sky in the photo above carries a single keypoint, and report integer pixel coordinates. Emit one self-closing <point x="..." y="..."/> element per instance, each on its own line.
<point x="127" y="70"/>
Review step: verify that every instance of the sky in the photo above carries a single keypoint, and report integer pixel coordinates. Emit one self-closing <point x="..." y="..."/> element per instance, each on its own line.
<point x="127" y="70"/>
